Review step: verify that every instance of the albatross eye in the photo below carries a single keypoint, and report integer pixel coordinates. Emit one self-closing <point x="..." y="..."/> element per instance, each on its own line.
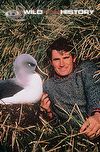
<point x="31" y="65"/>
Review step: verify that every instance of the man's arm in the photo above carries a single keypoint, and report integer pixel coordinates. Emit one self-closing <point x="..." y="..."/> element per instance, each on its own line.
<point x="91" y="86"/>
<point x="91" y="127"/>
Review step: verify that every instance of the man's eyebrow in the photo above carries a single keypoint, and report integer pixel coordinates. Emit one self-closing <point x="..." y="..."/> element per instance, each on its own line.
<point x="55" y="59"/>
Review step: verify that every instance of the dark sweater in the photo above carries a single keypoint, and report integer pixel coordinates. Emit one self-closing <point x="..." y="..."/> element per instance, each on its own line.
<point x="79" y="87"/>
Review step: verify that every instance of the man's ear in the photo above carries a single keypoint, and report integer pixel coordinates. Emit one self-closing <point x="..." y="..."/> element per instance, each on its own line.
<point x="50" y="62"/>
<point x="74" y="59"/>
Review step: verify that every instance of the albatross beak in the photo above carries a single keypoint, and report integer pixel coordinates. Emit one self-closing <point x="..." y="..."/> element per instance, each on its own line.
<point x="38" y="70"/>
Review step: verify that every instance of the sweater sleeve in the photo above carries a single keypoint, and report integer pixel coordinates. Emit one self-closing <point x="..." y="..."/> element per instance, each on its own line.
<point x="45" y="86"/>
<point x="92" y="86"/>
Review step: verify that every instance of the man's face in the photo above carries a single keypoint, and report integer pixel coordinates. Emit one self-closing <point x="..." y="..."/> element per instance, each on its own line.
<point x="62" y="62"/>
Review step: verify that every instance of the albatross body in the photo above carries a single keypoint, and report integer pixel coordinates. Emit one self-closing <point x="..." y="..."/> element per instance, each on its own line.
<point x="26" y="87"/>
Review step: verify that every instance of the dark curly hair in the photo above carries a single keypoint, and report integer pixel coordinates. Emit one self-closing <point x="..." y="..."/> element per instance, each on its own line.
<point x="60" y="44"/>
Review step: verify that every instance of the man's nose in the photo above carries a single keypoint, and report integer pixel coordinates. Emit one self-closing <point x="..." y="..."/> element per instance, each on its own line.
<point x="62" y="63"/>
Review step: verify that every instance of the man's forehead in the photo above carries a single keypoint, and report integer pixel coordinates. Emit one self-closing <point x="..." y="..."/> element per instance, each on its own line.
<point x="60" y="52"/>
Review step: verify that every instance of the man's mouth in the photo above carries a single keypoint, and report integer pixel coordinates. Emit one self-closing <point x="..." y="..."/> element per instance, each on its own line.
<point x="63" y="69"/>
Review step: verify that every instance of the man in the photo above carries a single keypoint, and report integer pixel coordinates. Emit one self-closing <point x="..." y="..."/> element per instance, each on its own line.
<point x="71" y="84"/>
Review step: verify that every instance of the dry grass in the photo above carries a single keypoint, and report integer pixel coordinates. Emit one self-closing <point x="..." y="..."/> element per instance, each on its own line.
<point x="35" y="33"/>
<point x="20" y="131"/>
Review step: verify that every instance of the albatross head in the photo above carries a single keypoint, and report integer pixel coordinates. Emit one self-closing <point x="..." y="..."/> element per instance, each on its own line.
<point x="24" y="66"/>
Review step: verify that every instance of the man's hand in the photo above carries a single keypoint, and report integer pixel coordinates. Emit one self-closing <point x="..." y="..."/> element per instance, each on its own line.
<point x="91" y="127"/>
<point x="45" y="104"/>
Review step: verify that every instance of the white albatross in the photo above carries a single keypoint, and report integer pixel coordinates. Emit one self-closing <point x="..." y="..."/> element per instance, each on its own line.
<point x="26" y="87"/>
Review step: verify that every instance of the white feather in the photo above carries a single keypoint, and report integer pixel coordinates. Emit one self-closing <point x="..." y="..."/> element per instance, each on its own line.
<point x="31" y="93"/>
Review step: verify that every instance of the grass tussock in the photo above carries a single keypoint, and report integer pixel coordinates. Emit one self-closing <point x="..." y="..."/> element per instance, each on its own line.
<point x="37" y="31"/>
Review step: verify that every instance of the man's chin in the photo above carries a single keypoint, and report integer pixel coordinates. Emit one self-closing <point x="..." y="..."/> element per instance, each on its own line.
<point x="62" y="75"/>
